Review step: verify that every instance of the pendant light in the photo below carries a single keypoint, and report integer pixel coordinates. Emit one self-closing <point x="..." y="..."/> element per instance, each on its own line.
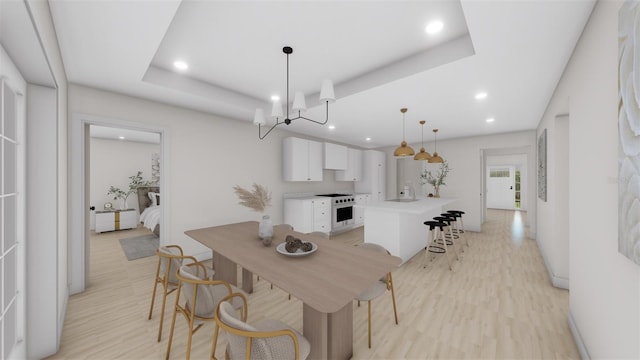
<point x="435" y="158"/>
<point x="423" y="154"/>
<point x="403" y="150"/>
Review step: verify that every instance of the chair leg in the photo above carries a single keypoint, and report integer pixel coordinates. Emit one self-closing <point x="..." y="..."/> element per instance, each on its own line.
<point x="465" y="234"/>
<point x="190" y="336"/>
<point x="454" y="243"/>
<point x="444" y="242"/>
<point x="155" y="287"/>
<point x="393" y="298"/>
<point x="429" y="241"/>
<point x="369" y="323"/>
<point x="164" y="301"/>
<point x="215" y="343"/>
<point x="173" y="324"/>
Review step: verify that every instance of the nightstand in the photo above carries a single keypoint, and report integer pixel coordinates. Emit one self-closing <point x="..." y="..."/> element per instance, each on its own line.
<point x="111" y="220"/>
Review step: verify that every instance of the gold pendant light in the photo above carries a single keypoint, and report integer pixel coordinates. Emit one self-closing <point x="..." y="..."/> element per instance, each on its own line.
<point x="435" y="158"/>
<point x="403" y="150"/>
<point x="423" y="154"/>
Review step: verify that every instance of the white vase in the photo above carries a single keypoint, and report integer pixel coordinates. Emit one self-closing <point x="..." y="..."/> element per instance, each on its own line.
<point x="265" y="229"/>
<point x="124" y="204"/>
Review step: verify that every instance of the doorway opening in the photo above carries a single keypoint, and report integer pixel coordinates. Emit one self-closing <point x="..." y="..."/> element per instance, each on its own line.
<point x="80" y="194"/>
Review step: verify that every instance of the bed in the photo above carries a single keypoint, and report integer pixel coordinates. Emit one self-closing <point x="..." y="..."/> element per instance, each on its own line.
<point x="149" y="205"/>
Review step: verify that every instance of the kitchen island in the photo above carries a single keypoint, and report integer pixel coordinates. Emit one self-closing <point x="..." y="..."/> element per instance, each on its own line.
<point x="398" y="224"/>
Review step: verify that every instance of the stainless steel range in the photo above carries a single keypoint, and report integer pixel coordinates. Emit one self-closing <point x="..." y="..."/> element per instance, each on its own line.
<point x="341" y="211"/>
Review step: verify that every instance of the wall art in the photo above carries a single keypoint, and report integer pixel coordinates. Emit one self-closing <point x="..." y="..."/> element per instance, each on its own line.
<point x="629" y="130"/>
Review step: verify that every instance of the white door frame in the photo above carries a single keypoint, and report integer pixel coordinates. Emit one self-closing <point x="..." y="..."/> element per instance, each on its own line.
<point x="530" y="152"/>
<point x="78" y="195"/>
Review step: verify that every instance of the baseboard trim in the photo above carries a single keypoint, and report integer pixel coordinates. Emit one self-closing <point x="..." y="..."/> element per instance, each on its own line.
<point x="557" y="281"/>
<point x="560" y="282"/>
<point x="582" y="349"/>
<point x="61" y="317"/>
<point x="204" y="255"/>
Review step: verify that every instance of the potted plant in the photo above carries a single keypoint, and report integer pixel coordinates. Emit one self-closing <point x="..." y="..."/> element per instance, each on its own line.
<point x="135" y="181"/>
<point x="258" y="200"/>
<point x="436" y="180"/>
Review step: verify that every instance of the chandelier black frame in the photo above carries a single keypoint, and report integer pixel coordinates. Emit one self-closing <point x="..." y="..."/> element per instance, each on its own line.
<point x="326" y="95"/>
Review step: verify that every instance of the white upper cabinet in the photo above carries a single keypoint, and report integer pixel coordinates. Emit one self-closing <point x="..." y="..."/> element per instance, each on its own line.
<point x="301" y="160"/>
<point x="373" y="175"/>
<point x="354" y="166"/>
<point x="335" y="156"/>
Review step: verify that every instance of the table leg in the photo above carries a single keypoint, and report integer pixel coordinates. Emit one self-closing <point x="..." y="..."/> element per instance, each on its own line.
<point x="330" y="335"/>
<point x="226" y="269"/>
<point x="247" y="281"/>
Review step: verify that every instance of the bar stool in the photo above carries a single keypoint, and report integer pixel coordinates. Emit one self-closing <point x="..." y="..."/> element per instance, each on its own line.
<point x="459" y="223"/>
<point x="437" y="229"/>
<point x="448" y="235"/>
<point x="455" y="231"/>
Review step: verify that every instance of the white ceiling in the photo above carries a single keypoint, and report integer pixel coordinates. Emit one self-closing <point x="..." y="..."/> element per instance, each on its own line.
<point x="376" y="52"/>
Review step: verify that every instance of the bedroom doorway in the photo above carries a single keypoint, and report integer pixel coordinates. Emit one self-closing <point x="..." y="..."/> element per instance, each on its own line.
<point x="101" y="159"/>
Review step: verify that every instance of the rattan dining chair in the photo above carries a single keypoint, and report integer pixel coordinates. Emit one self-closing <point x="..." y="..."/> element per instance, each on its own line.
<point x="380" y="287"/>
<point x="201" y="296"/>
<point x="266" y="339"/>
<point x="170" y="258"/>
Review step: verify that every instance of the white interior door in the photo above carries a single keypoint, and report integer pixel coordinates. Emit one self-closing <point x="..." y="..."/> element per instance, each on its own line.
<point x="501" y="187"/>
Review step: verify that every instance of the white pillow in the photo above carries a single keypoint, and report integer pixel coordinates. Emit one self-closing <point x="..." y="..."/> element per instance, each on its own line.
<point x="153" y="198"/>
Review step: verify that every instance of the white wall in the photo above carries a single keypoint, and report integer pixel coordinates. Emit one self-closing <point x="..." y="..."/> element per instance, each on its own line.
<point x="465" y="162"/>
<point x="112" y="162"/>
<point x="605" y="285"/>
<point x="208" y="156"/>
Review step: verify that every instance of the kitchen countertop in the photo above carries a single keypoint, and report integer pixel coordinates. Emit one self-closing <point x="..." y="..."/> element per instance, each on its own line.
<point x="416" y="207"/>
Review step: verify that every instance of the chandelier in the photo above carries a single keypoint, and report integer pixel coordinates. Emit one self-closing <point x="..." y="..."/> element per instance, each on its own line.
<point x="327" y="96"/>
<point x="403" y="150"/>
<point x="435" y="158"/>
<point x="423" y="154"/>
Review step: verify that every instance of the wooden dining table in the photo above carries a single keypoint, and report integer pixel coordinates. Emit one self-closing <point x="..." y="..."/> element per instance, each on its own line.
<point x="326" y="281"/>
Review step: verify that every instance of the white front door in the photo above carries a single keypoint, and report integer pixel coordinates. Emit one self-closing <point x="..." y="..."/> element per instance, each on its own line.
<point x="501" y="187"/>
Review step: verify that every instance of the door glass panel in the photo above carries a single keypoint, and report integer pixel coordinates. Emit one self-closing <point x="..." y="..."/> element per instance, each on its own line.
<point x="9" y="112"/>
<point x="9" y="276"/>
<point x="9" y="325"/>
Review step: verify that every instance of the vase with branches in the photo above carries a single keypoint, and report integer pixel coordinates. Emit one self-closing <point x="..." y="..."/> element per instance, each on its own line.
<point x="135" y="181"/>
<point x="258" y="199"/>
<point x="436" y="180"/>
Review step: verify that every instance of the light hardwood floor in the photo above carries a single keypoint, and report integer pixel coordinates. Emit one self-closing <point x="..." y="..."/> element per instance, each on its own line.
<point x="497" y="302"/>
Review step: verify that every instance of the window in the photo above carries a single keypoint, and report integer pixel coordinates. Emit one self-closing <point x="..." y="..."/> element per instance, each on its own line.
<point x="8" y="221"/>
<point x="498" y="173"/>
<point x="517" y="189"/>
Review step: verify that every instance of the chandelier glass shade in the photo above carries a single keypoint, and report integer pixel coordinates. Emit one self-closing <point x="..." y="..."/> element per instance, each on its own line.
<point x="423" y="154"/>
<point x="403" y="150"/>
<point x="327" y="95"/>
<point x="435" y="159"/>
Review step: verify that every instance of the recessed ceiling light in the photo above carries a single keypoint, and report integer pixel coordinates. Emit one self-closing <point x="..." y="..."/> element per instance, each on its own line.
<point x="275" y="97"/>
<point x="121" y="137"/>
<point x="367" y="139"/>
<point x="180" y="65"/>
<point x="481" y="95"/>
<point x="434" y="27"/>
<point x="332" y="127"/>
<point x="490" y="120"/>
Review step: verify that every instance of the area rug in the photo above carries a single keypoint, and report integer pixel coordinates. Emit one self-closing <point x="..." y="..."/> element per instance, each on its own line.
<point x="138" y="247"/>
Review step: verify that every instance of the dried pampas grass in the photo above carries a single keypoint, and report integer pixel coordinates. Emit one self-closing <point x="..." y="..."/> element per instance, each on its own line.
<point x="259" y="199"/>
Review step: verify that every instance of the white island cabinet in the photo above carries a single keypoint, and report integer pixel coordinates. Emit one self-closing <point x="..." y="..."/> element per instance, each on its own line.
<point x="399" y="226"/>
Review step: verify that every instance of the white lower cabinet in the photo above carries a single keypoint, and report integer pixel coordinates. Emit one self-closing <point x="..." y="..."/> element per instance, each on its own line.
<point x="358" y="212"/>
<point x="111" y="220"/>
<point x="308" y="214"/>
